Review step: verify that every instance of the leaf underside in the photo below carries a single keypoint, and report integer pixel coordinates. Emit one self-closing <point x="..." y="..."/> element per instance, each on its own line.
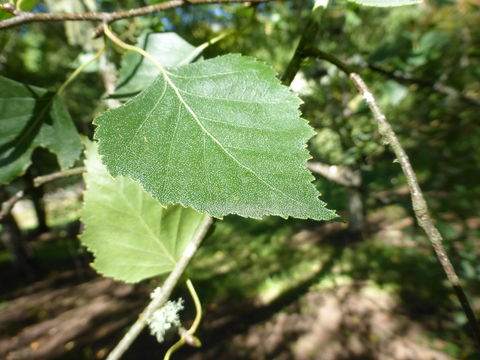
<point x="31" y="117"/>
<point x="222" y="136"/>
<point x="386" y="3"/>
<point x="131" y="235"/>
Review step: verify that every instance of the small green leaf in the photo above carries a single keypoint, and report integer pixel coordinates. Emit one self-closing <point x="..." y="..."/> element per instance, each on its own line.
<point x="136" y="72"/>
<point x="132" y="236"/>
<point x="386" y="3"/>
<point x="31" y="117"/>
<point x="27" y="5"/>
<point x="222" y="136"/>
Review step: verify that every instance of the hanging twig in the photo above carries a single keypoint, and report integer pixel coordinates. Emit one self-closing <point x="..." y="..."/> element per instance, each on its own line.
<point x="304" y="50"/>
<point x="418" y="201"/>
<point x="166" y="290"/>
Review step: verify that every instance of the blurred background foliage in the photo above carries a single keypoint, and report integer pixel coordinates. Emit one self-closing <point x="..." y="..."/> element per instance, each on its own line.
<point x="423" y="63"/>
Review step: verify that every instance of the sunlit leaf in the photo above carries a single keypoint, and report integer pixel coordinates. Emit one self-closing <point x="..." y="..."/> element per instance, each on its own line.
<point x="222" y="136"/>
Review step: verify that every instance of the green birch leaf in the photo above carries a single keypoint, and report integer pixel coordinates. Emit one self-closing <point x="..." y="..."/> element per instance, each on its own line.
<point x="132" y="236"/>
<point x="136" y="72"/>
<point x="32" y="117"/>
<point x="386" y="3"/>
<point x="222" y="136"/>
<point x="28" y="5"/>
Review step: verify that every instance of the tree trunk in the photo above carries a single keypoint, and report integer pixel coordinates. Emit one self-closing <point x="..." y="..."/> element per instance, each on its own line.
<point x="39" y="206"/>
<point x="352" y="179"/>
<point x="23" y="259"/>
<point x="36" y="193"/>
<point x="356" y="211"/>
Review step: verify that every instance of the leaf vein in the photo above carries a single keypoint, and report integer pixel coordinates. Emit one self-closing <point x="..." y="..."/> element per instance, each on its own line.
<point x="210" y="75"/>
<point x="148" y="116"/>
<point x="145" y="225"/>
<point x="250" y="102"/>
<point x="216" y="141"/>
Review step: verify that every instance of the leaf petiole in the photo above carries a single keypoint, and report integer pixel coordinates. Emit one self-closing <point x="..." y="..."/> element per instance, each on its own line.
<point x="189" y="334"/>
<point x="79" y="69"/>
<point x="114" y="38"/>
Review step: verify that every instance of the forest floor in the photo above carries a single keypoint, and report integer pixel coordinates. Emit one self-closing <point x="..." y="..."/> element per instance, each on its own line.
<point x="293" y="290"/>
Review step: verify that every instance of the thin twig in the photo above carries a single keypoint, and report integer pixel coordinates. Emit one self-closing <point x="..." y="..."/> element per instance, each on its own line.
<point x="10" y="8"/>
<point x="8" y="204"/>
<point x="23" y="17"/>
<point x="79" y="70"/>
<point x="40" y="180"/>
<point x="166" y="290"/>
<point x="188" y="336"/>
<point x="418" y="201"/>
<point x="319" y="54"/>
<point x="394" y="75"/>
<point x="435" y="85"/>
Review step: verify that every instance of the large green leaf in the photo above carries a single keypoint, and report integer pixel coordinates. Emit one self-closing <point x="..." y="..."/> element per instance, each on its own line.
<point x="131" y="235"/>
<point x="222" y="136"/>
<point x="31" y="117"/>
<point x="386" y="3"/>
<point x="136" y="72"/>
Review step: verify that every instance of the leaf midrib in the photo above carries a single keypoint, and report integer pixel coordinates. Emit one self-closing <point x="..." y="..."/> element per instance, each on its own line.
<point x="214" y="139"/>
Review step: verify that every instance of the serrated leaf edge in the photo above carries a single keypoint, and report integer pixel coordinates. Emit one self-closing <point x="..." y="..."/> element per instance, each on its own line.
<point x="295" y="97"/>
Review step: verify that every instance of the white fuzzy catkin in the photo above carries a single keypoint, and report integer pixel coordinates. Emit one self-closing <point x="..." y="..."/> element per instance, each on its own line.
<point x="165" y="318"/>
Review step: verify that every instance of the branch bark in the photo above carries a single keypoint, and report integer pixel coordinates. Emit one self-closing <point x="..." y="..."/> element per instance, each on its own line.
<point x="8" y="204"/>
<point x="40" y="180"/>
<point x="23" y="17"/>
<point x="419" y="204"/>
<point x="166" y="290"/>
